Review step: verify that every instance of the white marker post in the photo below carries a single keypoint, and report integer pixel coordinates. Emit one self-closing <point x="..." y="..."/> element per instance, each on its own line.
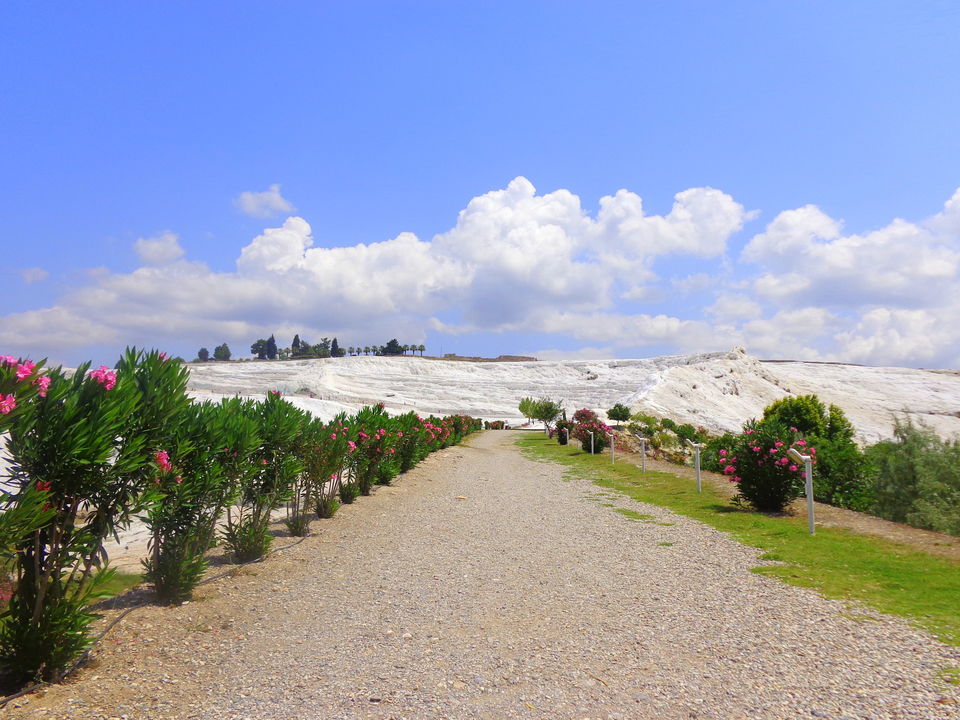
<point x="591" y="441"/>
<point x="696" y="461"/>
<point x="567" y="434"/>
<point x="643" y="452"/>
<point x="808" y="485"/>
<point x="613" y="448"/>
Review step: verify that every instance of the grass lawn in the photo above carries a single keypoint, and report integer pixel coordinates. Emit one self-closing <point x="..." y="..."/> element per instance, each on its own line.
<point x="889" y="577"/>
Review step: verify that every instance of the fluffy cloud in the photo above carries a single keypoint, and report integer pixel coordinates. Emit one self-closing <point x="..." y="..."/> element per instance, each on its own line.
<point x="807" y="259"/>
<point x="263" y="204"/>
<point x="160" y="250"/>
<point x="522" y="263"/>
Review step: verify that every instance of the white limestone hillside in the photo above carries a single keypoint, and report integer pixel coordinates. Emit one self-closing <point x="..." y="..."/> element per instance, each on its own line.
<point x="717" y="390"/>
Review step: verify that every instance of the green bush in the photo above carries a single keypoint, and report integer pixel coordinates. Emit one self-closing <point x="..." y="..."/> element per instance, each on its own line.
<point x="619" y="412"/>
<point x="843" y="474"/>
<point x="917" y="479"/>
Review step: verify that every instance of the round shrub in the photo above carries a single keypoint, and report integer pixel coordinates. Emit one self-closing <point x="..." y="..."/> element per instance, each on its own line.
<point x="758" y="462"/>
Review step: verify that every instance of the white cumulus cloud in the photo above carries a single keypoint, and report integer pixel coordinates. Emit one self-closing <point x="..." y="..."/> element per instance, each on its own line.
<point x="263" y="204"/>
<point x="160" y="250"/>
<point x="518" y="262"/>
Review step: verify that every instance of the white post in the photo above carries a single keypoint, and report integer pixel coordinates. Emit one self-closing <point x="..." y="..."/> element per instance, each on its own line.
<point x="696" y="461"/>
<point x="643" y="452"/>
<point x="591" y="441"/>
<point x="567" y="435"/>
<point x="613" y="448"/>
<point x="807" y="486"/>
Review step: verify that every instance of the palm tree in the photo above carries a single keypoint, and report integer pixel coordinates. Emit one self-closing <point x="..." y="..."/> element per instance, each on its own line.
<point x="405" y="348"/>
<point x="421" y="349"/>
<point x="366" y="349"/>
<point x="350" y="350"/>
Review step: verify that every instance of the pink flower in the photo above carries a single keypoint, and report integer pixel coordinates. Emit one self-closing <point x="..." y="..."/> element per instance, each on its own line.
<point x="163" y="356"/>
<point x="794" y="430"/>
<point x="352" y="445"/>
<point x="729" y="470"/>
<point x="399" y="434"/>
<point x="105" y="376"/>
<point x="756" y="448"/>
<point x="813" y="451"/>
<point x="793" y="468"/>
<point x="778" y="444"/>
<point x="773" y="451"/>
<point x="263" y="462"/>
<point x="25" y="370"/>
<point x="723" y="453"/>
<point x="179" y="479"/>
<point x="162" y="461"/>
<point x="333" y="436"/>
<point x="8" y="359"/>
<point x="42" y="382"/>
<point x="7" y="404"/>
<point x="750" y="432"/>
<point x="333" y="476"/>
<point x="43" y="485"/>
<point x="801" y="443"/>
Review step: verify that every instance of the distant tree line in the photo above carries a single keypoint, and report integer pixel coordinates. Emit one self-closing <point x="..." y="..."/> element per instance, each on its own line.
<point x="266" y="349"/>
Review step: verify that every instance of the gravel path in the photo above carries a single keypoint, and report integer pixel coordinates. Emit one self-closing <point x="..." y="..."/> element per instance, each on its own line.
<point x="484" y="585"/>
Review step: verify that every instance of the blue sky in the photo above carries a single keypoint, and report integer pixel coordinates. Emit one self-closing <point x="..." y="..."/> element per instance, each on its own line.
<point x="781" y="176"/>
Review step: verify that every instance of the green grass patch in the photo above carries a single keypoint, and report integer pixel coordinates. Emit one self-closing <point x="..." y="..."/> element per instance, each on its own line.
<point x="118" y="584"/>
<point x="634" y="515"/>
<point x="949" y="675"/>
<point x="890" y="577"/>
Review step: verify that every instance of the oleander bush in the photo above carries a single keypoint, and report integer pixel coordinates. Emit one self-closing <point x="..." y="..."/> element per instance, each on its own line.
<point x="92" y="449"/>
<point x="757" y="460"/>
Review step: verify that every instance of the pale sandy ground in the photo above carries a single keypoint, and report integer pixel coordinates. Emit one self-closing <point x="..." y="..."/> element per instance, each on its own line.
<point x="484" y="585"/>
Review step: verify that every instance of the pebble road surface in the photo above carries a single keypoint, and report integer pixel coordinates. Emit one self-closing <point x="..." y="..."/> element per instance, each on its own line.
<point x="485" y="585"/>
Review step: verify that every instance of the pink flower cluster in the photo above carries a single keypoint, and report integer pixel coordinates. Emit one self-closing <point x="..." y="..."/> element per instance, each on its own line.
<point x="162" y="460"/>
<point x="7" y="404"/>
<point x="776" y="456"/>
<point x="105" y="376"/>
<point x="22" y="371"/>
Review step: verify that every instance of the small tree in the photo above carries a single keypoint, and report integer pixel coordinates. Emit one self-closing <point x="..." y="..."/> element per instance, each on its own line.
<point x="546" y="411"/>
<point x="422" y="349"/>
<point x="203" y="354"/>
<point x="295" y="345"/>
<point x="619" y="412"/>
<point x="259" y="348"/>
<point x="335" y="350"/>
<point x="221" y="352"/>
<point x="393" y="347"/>
<point x="366" y="349"/>
<point x="271" y="348"/>
<point x="350" y="350"/>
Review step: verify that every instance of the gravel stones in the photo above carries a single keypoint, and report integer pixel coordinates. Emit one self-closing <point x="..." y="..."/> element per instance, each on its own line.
<point x="483" y="585"/>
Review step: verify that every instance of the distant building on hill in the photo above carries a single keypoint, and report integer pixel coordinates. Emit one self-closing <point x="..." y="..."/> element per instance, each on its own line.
<point x="499" y="358"/>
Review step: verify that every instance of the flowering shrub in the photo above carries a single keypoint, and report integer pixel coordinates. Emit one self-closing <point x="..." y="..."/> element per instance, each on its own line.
<point x="587" y="422"/>
<point x="758" y="462"/>
<point x="563" y="429"/>
<point x="92" y="450"/>
<point x="90" y="444"/>
<point x="276" y="466"/>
